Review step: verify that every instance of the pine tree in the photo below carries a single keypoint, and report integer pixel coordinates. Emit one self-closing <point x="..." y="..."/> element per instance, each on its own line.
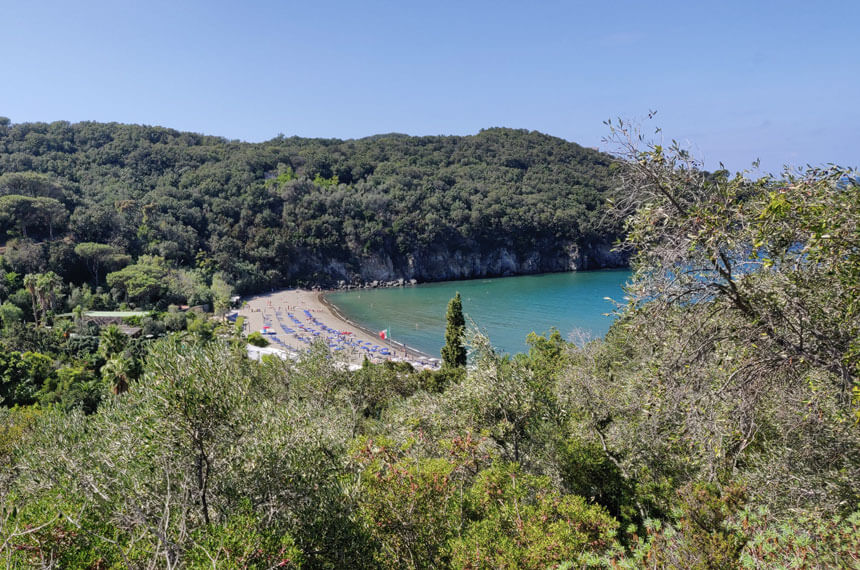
<point x="454" y="351"/>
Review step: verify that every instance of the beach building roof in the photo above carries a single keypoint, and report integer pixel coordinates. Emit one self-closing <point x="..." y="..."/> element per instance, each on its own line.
<point x="115" y="314"/>
<point x="108" y="317"/>
<point x="130" y="331"/>
<point x="257" y="352"/>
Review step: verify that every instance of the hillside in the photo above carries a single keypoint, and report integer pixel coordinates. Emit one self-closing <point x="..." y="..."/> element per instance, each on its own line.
<point x="295" y="210"/>
<point x="715" y="425"/>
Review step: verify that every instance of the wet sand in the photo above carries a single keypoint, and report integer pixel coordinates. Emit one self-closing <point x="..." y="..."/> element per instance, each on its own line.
<point x="274" y="310"/>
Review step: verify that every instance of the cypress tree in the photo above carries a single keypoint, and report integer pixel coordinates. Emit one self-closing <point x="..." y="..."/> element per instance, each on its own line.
<point x="454" y="351"/>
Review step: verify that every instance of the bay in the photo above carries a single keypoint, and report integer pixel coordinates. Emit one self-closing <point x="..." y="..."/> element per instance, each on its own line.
<point x="506" y="309"/>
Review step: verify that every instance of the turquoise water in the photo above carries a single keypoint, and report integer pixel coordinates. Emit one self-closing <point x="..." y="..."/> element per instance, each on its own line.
<point x="507" y="309"/>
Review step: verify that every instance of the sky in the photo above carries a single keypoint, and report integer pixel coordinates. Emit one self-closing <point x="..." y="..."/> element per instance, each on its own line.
<point x="734" y="81"/>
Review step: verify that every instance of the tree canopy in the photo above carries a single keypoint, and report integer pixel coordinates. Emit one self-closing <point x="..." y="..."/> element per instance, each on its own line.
<point x="310" y="210"/>
<point x="454" y="351"/>
<point x="714" y="426"/>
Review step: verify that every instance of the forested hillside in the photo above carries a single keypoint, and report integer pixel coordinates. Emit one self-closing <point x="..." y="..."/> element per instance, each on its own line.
<point x="714" y="427"/>
<point x="290" y="210"/>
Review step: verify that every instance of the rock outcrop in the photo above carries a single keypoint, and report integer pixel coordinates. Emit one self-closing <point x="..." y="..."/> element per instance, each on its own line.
<point x="462" y="263"/>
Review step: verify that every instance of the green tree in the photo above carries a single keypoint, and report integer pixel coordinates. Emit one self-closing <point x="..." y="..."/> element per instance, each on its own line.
<point x="221" y="293"/>
<point x="22" y="376"/>
<point x="30" y="184"/>
<point x="740" y="338"/>
<point x="256" y="338"/>
<point x="781" y="255"/>
<point x="10" y="314"/>
<point x="203" y="329"/>
<point x="26" y="213"/>
<point x="509" y="402"/>
<point x="519" y="521"/>
<point x="48" y="286"/>
<point x="112" y="341"/>
<point x="99" y="256"/>
<point x="454" y="351"/>
<point x="73" y="387"/>
<point x="143" y="282"/>
<point x="117" y="372"/>
<point x="78" y="316"/>
<point x="30" y="283"/>
<point x="43" y="289"/>
<point x="51" y="213"/>
<point x="410" y="507"/>
<point x="25" y="256"/>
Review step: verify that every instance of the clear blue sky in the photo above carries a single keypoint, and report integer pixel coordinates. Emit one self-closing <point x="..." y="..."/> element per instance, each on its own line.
<point x="775" y="80"/>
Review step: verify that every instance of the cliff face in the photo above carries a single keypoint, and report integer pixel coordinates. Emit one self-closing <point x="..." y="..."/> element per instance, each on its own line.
<point x="461" y="263"/>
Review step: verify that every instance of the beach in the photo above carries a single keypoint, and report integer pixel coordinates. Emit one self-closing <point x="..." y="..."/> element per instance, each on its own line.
<point x="297" y="317"/>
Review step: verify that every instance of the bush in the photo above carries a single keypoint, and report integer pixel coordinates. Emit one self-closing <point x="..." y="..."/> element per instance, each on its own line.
<point x="410" y="508"/>
<point x="243" y="541"/>
<point x="520" y="521"/>
<point x="257" y="339"/>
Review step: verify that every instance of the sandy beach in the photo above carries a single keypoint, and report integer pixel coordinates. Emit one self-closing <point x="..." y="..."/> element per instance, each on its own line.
<point x="298" y="317"/>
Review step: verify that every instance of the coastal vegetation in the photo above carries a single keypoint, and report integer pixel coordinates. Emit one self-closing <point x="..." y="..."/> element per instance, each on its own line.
<point x="98" y="217"/>
<point x="714" y="426"/>
<point x="454" y="351"/>
<point x="167" y="212"/>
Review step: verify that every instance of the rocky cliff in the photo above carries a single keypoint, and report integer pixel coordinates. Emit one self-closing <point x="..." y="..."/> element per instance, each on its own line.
<point x="461" y="263"/>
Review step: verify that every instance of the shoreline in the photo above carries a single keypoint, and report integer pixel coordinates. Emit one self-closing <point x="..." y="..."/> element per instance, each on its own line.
<point x="343" y="286"/>
<point x="293" y="319"/>
<point x="337" y="314"/>
<point x="290" y="315"/>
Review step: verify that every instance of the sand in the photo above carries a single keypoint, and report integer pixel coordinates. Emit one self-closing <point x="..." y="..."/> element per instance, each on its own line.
<point x="274" y="310"/>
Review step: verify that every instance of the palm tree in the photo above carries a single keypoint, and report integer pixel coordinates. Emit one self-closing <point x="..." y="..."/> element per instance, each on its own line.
<point x="43" y="288"/>
<point x="30" y="281"/>
<point x="78" y="311"/>
<point x="117" y="372"/>
<point x="112" y="341"/>
<point x="47" y="286"/>
<point x="64" y="328"/>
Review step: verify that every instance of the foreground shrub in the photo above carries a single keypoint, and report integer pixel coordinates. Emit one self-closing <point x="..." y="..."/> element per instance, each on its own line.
<point x="243" y="541"/>
<point x="518" y="520"/>
<point x="713" y="531"/>
<point x="410" y="507"/>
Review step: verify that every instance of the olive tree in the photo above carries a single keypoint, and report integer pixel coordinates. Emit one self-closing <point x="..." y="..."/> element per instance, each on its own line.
<point x="737" y="353"/>
<point x="204" y="441"/>
<point x="781" y="255"/>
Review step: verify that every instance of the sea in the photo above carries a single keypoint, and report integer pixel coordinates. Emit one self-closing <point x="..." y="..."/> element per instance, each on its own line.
<point x="506" y="309"/>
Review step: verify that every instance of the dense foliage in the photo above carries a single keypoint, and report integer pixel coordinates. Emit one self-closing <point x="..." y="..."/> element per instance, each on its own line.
<point x="293" y="210"/>
<point x="715" y="426"/>
<point x="106" y="216"/>
<point x="454" y="351"/>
